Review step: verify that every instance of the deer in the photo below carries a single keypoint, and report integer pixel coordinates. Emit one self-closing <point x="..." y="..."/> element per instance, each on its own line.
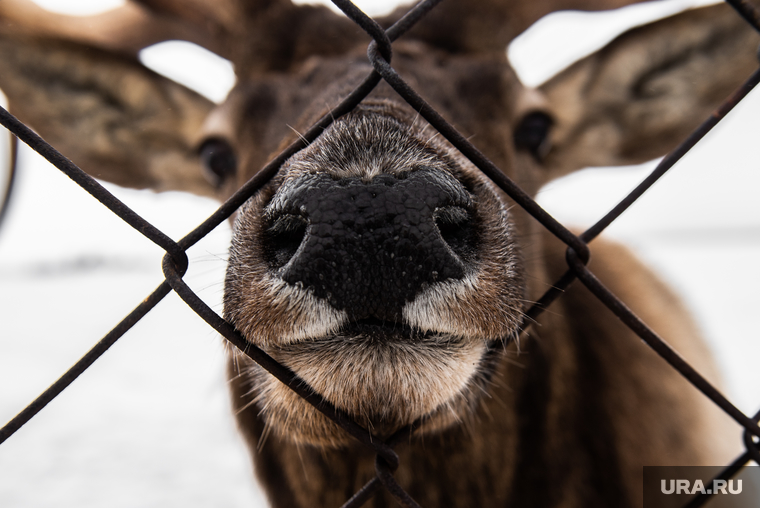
<point x="379" y="263"/>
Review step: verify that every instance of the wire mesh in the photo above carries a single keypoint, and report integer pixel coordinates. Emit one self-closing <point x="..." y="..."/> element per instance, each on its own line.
<point x="175" y="261"/>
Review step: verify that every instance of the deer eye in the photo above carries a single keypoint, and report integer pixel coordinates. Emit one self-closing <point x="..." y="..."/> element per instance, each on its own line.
<point x="532" y="134"/>
<point x="219" y="161"/>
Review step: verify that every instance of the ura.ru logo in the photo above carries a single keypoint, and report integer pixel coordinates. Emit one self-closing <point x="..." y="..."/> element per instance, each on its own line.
<point x="698" y="487"/>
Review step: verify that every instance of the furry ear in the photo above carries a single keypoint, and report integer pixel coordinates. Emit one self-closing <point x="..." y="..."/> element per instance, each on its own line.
<point x="110" y="115"/>
<point x="113" y="117"/>
<point x="638" y="97"/>
<point x="82" y="88"/>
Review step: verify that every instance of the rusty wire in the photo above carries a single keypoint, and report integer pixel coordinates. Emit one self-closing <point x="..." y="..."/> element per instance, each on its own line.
<point x="175" y="262"/>
<point x="10" y="180"/>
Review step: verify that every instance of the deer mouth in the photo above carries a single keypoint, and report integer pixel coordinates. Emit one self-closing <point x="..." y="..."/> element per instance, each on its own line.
<point x="384" y="375"/>
<point x="370" y="331"/>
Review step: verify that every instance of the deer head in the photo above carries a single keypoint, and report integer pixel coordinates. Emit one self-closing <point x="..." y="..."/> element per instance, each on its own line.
<point x="379" y="264"/>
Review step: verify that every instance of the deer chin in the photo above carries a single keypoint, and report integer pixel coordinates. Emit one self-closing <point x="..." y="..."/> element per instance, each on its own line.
<point x="430" y="369"/>
<point x="383" y="376"/>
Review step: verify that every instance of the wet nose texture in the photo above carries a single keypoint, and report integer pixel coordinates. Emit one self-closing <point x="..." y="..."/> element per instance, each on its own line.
<point x="369" y="247"/>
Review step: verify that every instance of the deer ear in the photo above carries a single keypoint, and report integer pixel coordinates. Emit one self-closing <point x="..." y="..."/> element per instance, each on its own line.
<point x="638" y="97"/>
<point x="116" y="119"/>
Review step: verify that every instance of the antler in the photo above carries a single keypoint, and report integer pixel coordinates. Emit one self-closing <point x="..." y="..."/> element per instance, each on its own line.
<point x="126" y="29"/>
<point x="488" y="25"/>
<point x="218" y="24"/>
<point x="140" y="23"/>
<point x="254" y="34"/>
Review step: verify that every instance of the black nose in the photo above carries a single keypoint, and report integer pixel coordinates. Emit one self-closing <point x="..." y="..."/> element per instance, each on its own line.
<point x="368" y="247"/>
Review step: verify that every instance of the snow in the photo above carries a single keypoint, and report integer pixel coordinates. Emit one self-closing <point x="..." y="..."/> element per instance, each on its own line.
<point x="150" y="424"/>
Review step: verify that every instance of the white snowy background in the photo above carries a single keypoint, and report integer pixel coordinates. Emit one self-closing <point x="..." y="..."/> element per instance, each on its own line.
<point x="149" y="424"/>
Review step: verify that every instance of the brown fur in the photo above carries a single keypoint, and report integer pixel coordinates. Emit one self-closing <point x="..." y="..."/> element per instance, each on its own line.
<point x="402" y="381"/>
<point x="566" y="416"/>
<point x="537" y="439"/>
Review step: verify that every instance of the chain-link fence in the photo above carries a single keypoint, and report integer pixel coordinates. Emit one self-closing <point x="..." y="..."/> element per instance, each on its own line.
<point x="175" y="262"/>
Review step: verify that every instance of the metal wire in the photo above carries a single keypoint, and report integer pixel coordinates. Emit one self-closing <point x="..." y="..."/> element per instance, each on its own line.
<point x="10" y="181"/>
<point x="380" y="53"/>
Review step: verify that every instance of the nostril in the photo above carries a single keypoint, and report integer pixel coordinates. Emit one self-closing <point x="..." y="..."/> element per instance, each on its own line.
<point x="368" y="248"/>
<point x="454" y="224"/>
<point x="284" y="236"/>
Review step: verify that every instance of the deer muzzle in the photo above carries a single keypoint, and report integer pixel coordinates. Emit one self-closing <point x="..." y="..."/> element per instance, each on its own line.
<point x="368" y="247"/>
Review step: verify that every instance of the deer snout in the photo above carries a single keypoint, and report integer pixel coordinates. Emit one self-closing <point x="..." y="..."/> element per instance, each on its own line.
<point x="368" y="247"/>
